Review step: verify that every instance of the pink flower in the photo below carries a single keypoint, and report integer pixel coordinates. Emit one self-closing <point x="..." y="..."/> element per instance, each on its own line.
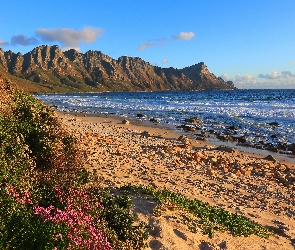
<point x="82" y="230"/>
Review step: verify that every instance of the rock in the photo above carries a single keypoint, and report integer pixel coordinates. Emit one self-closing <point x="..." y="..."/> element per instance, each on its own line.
<point x="201" y="138"/>
<point x="222" y="137"/>
<point x="240" y="139"/>
<point x="273" y="124"/>
<point x="210" y="171"/>
<point x="238" y="173"/>
<point x="145" y="134"/>
<point x="125" y="121"/>
<point x="270" y="158"/>
<point x="206" y="246"/>
<point x="291" y="147"/>
<point x="226" y="149"/>
<point x="231" y="127"/>
<point x="272" y="149"/>
<point x="213" y="160"/>
<point x="189" y="128"/>
<point x="157" y="232"/>
<point x="225" y="170"/>
<point x="247" y="173"/>
<point x="154" y="120"/>
<point x="223" y="245"/>
<point x="184" y="139"/>
<point x="193" y="120"/>
<point x="140" y="115"/>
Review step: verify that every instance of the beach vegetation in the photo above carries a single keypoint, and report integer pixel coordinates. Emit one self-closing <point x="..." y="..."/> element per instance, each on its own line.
<point x="46" y="199"/>
<point x="49" y="201"/>
<point x="201" y="214"/>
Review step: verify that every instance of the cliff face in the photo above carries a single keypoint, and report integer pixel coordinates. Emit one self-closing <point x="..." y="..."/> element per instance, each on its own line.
<point x="70" y="71"/>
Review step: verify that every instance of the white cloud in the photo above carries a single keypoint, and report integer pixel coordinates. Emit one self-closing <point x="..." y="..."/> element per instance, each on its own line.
<point x="247" y="81"/>
<point x="287" y="74"/>
<point x="184" y="36"/>
<point x="273" y="75"/>
<point x="70" y="38"/>
<point x="164" y="61"/>
<point x="23" y="40"/>
<point x="146" y="45"/>
<point x="163" y="41"/>
<point x="278" y="75"/>
<point x="3" y="43"/>
<point x="225" y="77"/>
<point x="284" y="80"/>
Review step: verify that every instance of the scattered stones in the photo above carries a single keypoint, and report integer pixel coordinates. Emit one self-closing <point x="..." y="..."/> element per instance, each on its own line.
<point x="122" y="155"/>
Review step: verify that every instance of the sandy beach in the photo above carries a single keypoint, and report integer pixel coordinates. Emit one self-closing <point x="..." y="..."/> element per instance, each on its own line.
<point x="254" y="185"/>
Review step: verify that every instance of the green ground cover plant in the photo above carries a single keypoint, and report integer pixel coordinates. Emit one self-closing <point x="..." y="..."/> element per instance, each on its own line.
<point x="208" y="218"/>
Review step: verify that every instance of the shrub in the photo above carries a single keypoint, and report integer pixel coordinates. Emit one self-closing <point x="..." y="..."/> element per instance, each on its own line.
<point x="46" y="198"/>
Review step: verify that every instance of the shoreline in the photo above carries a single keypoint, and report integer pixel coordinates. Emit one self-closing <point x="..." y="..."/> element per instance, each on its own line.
<point x="246" y="119"/>
<point x="161" y="128"/>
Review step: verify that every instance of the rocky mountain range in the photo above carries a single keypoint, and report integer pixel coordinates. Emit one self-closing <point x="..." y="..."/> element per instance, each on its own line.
<point x="49" y="69"/>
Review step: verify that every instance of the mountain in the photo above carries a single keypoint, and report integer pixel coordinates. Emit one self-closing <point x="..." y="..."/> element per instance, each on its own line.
<point x="49" y="69"/>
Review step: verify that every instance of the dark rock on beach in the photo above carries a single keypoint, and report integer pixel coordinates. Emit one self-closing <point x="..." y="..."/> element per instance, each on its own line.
<point x="270" y="158"/>
<point x="193" y="120"/>
<point x="273" y="124"/>
<point x="154" y="120"/>
<point x="140" y="115"/>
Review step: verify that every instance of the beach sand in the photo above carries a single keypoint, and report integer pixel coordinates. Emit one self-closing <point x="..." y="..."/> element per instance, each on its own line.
<point x="240" y="182"/>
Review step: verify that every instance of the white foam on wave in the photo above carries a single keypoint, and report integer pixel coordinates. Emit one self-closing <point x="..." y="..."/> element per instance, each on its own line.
<point x="250" y="111"/>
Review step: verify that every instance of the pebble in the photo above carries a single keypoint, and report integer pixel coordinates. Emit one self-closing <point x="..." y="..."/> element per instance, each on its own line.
<point x="219" y="172"/>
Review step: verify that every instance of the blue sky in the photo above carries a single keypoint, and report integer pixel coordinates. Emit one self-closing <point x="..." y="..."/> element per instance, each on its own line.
<point x="251" y="42"/>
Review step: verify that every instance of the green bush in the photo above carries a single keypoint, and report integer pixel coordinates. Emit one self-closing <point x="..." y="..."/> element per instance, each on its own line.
<point x="37" y="155"/>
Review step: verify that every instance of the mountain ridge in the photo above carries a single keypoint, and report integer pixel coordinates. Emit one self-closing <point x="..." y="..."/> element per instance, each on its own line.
<point x="50" y="69"/>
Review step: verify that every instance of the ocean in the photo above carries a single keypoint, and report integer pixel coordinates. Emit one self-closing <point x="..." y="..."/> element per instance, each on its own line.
<point x="263" y="117"/>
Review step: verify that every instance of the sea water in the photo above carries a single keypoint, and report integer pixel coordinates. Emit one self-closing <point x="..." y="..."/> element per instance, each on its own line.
<point x="250" y="111"/>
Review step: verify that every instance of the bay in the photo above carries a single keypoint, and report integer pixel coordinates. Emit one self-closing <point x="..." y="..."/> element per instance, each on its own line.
<point x="251" y="112"/>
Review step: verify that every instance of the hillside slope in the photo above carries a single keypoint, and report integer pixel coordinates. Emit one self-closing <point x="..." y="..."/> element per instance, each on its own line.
<point x="49" y="69"/>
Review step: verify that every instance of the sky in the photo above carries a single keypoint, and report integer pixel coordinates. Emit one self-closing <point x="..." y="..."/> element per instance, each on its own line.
<point x="250" y="42"/>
